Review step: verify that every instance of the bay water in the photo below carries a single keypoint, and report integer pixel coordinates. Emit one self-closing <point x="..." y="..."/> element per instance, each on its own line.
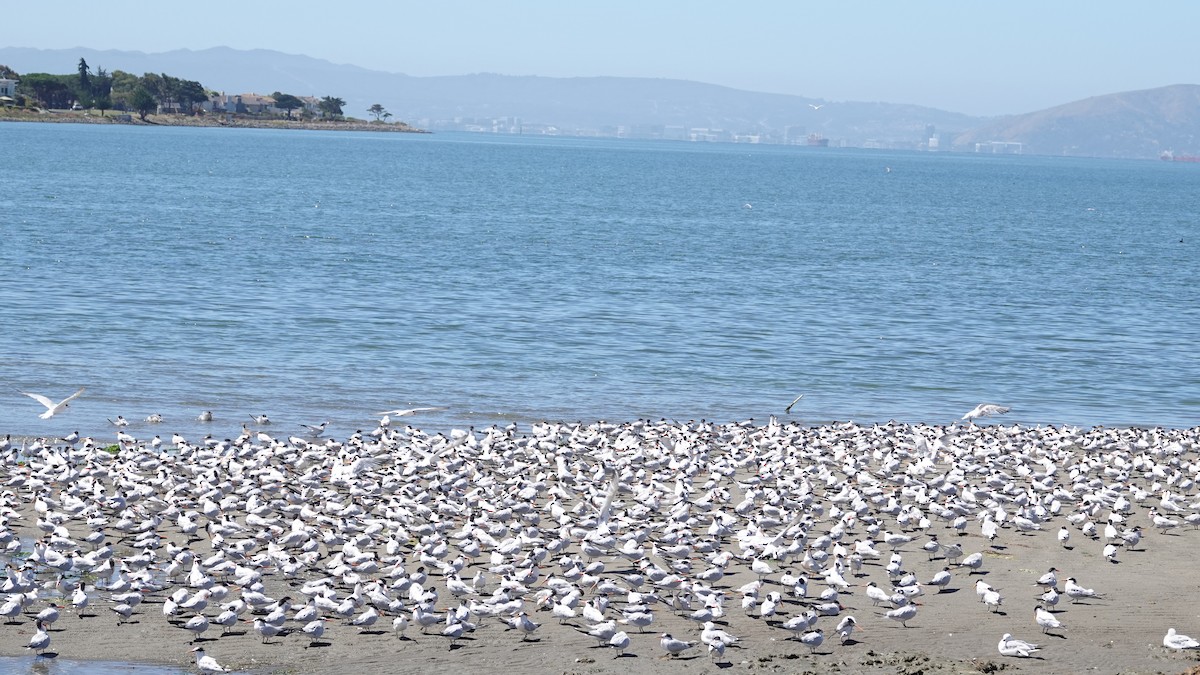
<point x="312" y="276"/>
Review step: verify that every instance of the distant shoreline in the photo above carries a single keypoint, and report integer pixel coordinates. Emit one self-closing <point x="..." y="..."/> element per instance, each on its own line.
<point x="236" y="122"/>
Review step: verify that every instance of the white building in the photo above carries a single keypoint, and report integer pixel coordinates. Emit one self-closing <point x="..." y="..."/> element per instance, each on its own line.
<point x="8" y="87"/>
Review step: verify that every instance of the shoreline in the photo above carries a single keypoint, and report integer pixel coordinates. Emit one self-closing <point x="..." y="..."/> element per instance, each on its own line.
<point x="238" y="122"/>
<point x="370" y="514"/>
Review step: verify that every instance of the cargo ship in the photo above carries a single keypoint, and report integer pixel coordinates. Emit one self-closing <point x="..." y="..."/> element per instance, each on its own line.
<point x="1168" y="156"/>
<point x="816" y="141"/>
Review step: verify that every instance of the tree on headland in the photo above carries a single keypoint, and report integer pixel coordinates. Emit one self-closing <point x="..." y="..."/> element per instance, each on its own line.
<point x="123" y="86"/>
<point x="85" y="84"/>
<point x="169" y="93"/>
<point x="101" y="90"/>
<point x="331" y="106"/>
<point x="142" y="102"/>
<point x="378" y="111"/>
<point x="287" y="102"/>
<point x="190" y="93"/>
<point x="159" y="90"/>
<point x="151" y="93"/>
<point x="102" y="103"/>
<point x="50" y="91"/>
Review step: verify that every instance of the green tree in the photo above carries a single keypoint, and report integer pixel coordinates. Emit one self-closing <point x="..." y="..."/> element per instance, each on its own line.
<point x="101" y="83"/>
<point x="287" y="102"/>
<point x="50" y="91"/>
<point x="190" y="93"/>
<point x="142" y="102"/>
<point x="331" y="106"/>
<point x="123" y="86"/>
<point x="166" y="90"/>
<point x="378" y="111"/>
<point x="85" y="84"/>
<point x="153" y="84"/>
<point x="102" y="103"/>
<point x="101" y="93"/>
<point x="8" y="73"/>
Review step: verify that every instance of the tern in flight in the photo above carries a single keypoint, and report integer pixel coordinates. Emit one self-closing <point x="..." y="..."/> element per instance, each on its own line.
<point x="53" y="408"/>
<point x="788" y="409"/>
<point x="405" y="413"/>
<point x="986" y="410"/>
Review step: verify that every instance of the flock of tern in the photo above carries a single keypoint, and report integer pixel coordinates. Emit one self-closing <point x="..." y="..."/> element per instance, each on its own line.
<point x="606" y="529"/>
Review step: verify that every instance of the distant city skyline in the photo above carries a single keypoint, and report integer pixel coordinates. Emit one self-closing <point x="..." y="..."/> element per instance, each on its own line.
<point x="974" y="58"/>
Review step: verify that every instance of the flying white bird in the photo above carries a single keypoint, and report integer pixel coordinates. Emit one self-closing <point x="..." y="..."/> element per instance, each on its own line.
<point x="816" y="106"/>
<point x="789" y="408"/>
<point x="986" y="410"/>
<point x="53" y="408"/>
<point x="407" y="412"/>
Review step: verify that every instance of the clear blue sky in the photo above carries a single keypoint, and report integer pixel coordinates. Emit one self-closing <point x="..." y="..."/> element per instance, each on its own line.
<point x="982" y="58"/>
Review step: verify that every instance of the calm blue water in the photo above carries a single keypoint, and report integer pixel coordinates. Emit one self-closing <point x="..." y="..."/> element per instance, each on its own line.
<point x="326" y="275"/>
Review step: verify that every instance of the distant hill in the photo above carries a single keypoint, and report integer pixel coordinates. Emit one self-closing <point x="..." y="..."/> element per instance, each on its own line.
<point x="1138" y="124"/>
<point x="584" y="105"/>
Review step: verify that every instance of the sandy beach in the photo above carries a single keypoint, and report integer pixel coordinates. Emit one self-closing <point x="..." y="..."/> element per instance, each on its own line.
<point x="667" y="516"/>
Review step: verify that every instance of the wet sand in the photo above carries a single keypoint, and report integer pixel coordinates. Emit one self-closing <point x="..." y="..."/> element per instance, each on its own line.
<point x="1147" y="589"/>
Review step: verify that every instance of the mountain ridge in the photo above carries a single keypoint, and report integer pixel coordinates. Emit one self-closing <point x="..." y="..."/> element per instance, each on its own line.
<point x="1139" y="124"/>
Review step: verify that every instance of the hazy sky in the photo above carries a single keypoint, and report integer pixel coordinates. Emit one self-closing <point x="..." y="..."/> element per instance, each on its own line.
<point x="976" y="57"/>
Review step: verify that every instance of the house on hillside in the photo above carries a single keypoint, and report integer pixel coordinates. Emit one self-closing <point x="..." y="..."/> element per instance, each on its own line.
<point x="240" y="103"/>
<point x="8" y="88"/>
<point x="254" y="104"/>
<point x="311" y="105"/>
<point x="217" y="103"/>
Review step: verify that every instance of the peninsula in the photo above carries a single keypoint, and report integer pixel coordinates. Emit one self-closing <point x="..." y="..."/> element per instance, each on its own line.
<point x="13" y="114"/>
<point x="101" y="97"/>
